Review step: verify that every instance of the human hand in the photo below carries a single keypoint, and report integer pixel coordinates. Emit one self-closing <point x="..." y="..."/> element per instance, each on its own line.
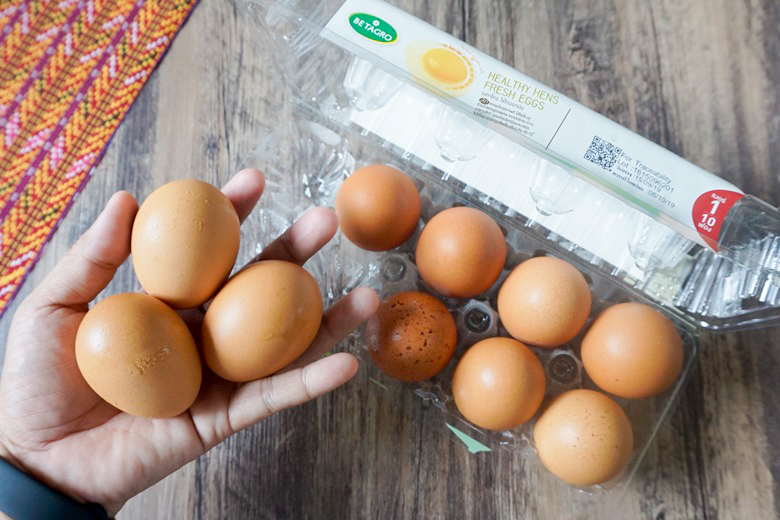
<point x="54" y="426"/>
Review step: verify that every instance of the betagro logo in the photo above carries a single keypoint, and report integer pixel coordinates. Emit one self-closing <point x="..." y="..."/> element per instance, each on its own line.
<point x="373" y="28"/>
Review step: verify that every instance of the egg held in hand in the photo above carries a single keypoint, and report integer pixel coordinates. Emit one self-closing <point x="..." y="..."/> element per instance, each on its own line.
<point x="184" y="242"/>
<point x="498" y="384"/>
<point x="262" y="320"/>
<point x="583" y="437"/>
<point x="461" y="252"/>
<point x="378" y="207"/>
<point x="412" y="337"/>
<point x="137" y="354"/>
<point x="632" y="350"/>
<point x="545" y="301"/>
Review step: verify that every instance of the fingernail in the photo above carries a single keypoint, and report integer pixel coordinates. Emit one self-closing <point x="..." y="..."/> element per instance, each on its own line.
<point x="365" y="300"/>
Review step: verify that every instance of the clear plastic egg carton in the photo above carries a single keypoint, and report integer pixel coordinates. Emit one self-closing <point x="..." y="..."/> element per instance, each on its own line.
<point x="346" y="88"/>
<point x="350" y="110"/>
<point x="305" y="163"/>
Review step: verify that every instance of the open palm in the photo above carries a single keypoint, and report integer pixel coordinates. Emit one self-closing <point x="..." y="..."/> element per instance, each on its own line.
<point x="55" y="427"/>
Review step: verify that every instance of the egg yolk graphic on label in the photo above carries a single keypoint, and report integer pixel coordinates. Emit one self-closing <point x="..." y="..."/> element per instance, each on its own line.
<point x="439" y="66"/>
<point x="444" y="65"/>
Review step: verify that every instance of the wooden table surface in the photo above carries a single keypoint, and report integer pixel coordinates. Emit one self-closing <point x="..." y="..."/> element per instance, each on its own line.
<point x="699" y="77"/>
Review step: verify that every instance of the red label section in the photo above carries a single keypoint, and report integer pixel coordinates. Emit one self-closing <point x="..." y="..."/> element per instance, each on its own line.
<point x="709" y="211"/>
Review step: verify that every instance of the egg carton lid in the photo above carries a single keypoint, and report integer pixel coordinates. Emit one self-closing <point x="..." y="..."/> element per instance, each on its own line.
<point x="350" y="80"/>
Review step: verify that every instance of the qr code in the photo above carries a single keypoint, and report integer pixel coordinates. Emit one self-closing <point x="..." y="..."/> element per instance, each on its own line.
<point x="603" y="153"/>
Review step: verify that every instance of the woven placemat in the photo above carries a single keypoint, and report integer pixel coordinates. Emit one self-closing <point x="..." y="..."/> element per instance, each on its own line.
<point x="70" y="71"/>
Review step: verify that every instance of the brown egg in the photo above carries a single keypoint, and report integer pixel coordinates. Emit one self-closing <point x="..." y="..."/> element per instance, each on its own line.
<point x="632" y="350"/>
<point x="583" y="437"/>
<point x="412" y="336"/>
<point x="261" y="320"/>
<point x="185" y="241"/>
<point x="378" y="207"/>
<point x="544" y="301"/>
<point x="461" y="252"/>
<point x="498" y="384"/>
<point x="138" y="355"/>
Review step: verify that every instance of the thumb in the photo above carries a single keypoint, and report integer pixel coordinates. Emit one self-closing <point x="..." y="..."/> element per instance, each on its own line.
<point x="91" y="263"/>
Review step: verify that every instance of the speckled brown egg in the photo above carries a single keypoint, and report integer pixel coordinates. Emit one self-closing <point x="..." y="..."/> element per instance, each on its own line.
<point x="412" y="337"/>
<point x="632" y="350"/>
<point x="261" y="320"/>
<point x="583" y="437"/>
<point x="498" y="384"/>
<point x="184" y="242"/>
<point x="544" y="301"/>
<point x="460" y="252"/>
<point x="378" y="207"/>
<point x="138" y="355"/>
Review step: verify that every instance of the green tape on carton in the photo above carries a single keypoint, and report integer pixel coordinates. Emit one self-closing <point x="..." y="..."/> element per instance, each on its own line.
<point x="473" y="445"/>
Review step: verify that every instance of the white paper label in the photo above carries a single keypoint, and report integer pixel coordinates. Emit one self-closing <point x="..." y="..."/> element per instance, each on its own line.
<point x="661" y="184"/>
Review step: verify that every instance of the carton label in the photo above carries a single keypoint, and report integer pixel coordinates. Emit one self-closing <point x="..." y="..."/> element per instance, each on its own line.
<point x="632" y="168"/>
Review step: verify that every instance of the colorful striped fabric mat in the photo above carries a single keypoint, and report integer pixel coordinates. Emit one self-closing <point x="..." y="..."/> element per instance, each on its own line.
<point x="69" y="72"/>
